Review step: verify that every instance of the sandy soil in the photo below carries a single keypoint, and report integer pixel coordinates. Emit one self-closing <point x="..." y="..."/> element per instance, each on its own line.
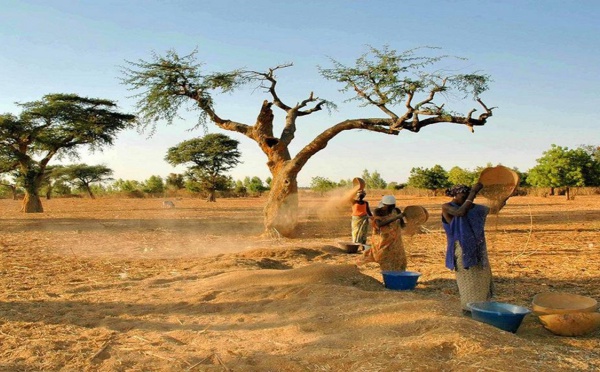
<point x="127" y="285"/>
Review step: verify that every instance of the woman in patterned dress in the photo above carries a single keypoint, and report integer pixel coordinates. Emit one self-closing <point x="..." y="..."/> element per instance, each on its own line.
<point x="387" y="247"/>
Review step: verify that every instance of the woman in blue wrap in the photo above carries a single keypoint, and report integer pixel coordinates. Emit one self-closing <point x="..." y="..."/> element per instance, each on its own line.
<point x="466" y="251"/>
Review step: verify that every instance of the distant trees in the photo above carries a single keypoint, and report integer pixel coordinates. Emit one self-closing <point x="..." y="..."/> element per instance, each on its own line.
<point x="563" y="167"/>
<point x="461" y="176"/>
<point x="175" y="181"/>
<point x="132" y="188"/>
<point x="593" y="151"/>
<point x="254" y="185"/>
<point x="373" y="180"/>
<point x="82" y="176"/>
<point x="429" y="178"/>
<point x="10" y="185"/>
<point x="208" y="158"/>
<point x="57" y="125"/>
<point x="322" y="184"/>
<point x="153" y="185"/>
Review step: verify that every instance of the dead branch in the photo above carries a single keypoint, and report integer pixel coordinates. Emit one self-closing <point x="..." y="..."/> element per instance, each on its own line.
<point x="488" y="111"/>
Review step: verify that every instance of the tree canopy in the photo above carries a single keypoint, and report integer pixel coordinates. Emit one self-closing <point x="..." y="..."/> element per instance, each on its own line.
<point x="564" y="167"/>
<point x="254" y="185"/>
<point x="83" y="176"/>
<point x="428" y="178"/>
<point x="373" y="180"/>
<point x="154" y="185"/>
<point x="461" y="176"/>
<point x="207" y="159"/>
<point x="57" y="125"/>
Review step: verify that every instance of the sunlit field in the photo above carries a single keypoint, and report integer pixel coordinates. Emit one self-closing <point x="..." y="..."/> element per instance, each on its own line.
<point x="129" y="285"/>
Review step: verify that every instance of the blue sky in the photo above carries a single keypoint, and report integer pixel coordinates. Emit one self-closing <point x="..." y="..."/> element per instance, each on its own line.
<point x="543" y="56"/>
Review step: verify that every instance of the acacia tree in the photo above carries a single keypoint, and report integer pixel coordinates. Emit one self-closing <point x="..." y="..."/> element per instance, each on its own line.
<point x="57" y="125"/>
<point x="14" y="188"/>
<point x="83" y="175"/>
<point x="209" y="156"/>
<point x="396" y="83"/>
<point x="53" y="176"/>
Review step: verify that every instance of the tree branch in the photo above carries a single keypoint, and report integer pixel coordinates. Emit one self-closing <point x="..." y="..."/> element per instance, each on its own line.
<point x="321" y="141"/>
<point x="432" y="93"/>
<point x="488" y="111"/>
<point x="270" y="77"/>
<point x="226" y="124"/>
<point x="379" y="104"/>
<point x="318" y="107"/>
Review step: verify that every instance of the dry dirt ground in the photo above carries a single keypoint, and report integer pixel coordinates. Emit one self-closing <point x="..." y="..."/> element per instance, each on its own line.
<point x="127" y="285"/>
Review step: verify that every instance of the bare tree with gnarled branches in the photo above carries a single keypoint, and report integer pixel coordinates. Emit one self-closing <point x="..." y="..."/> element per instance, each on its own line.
<point x="399" y="84"/>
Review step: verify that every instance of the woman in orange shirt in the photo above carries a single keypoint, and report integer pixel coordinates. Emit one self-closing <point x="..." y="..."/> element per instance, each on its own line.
<point x="361" y="213"/>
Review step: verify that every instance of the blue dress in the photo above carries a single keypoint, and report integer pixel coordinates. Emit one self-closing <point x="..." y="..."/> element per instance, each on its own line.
<point x="468" y="230"/>
<point x="466" y="254"/>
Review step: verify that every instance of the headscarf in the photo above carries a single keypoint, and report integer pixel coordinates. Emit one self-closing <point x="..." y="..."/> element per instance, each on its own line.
<point x="458" y="189"/>
<point x="388" y="200"/>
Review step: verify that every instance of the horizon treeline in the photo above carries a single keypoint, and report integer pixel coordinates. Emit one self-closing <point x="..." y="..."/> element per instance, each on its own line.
<point x="559" y="167"/>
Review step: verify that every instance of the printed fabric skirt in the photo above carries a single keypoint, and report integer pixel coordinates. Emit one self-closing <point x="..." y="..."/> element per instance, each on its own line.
<point x="360" y="229"/>
<point x="387" y="250"/>
<point x="474" y="283"/>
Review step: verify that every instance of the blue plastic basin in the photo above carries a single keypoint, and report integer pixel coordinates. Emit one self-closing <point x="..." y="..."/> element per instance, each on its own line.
<point x="400" y="280"/>
<point x="505" y="316"/>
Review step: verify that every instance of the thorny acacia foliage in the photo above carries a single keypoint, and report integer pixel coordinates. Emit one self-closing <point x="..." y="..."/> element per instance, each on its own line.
<point x="381" y="77"/>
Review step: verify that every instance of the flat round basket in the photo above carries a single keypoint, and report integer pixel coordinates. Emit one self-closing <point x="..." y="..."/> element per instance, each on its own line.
<point x="416" y="216"/>
<point x="358" y="183"/>
<point x="499" y="183"/>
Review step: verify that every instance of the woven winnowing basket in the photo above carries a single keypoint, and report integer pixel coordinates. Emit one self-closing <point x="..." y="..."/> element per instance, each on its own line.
<point x="499" y="183"/>
<point x="415" y="216"/>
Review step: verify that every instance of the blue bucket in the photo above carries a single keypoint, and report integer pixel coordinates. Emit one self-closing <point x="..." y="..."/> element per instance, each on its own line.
<point x="505" y="316"/>
<point x="400" y="280"/>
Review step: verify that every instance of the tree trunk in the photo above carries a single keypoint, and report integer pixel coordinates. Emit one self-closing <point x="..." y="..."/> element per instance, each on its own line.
<point x="89" y="191"/>
<point x="551" y="191"/>
<point x="32" y="202"/>
<point x="211" y="196"/>
<point x="568" y="193"/>
<point x="281" y="210"/>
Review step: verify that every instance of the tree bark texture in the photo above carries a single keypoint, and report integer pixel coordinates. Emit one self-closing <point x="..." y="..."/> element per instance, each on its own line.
<point x="281" y="210"/>
<point x="31" y="183"/>
<point x="32" y="202"/>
